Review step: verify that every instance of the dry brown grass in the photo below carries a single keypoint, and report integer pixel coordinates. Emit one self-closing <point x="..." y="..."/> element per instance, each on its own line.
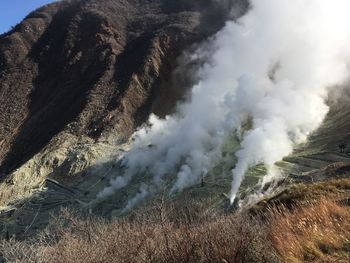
<point x="306" y="193"/>
<point x="318" y="232"/>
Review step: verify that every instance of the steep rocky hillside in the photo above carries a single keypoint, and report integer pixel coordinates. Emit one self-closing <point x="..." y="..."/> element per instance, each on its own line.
<point x="78" y="76"/>
<point x="92" y="68"/>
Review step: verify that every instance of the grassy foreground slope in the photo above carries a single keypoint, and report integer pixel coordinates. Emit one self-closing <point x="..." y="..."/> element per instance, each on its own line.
<point x="312" y="231"/>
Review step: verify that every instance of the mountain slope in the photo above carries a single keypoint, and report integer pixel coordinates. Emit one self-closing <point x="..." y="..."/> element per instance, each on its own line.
<point x="91" y="68"/>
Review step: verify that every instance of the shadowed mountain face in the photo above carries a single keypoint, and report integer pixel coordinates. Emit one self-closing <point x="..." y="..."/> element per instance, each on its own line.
<point x="92" y="67"/>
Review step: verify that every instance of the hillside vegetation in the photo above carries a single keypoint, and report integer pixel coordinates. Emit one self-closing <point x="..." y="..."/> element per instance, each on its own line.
<point x="315" y="231"/>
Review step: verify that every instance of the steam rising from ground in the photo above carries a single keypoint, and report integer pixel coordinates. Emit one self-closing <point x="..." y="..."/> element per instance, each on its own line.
<point x="272" y="68"/>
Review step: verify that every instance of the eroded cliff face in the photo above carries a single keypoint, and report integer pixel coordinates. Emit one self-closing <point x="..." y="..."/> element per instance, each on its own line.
<point x="88" y="72"/>
<point x="92" y="68"/>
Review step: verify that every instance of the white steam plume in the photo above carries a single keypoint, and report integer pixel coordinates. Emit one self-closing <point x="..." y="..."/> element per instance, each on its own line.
<point x="273" y="67"/>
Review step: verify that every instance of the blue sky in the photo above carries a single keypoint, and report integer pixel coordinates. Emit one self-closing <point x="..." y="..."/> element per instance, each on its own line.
<point x="13" y="11"/>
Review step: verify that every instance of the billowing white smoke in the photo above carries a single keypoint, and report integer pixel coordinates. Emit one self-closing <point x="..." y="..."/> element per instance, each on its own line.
<point x="304" y="47"/>
<point x="273" y="67"/>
